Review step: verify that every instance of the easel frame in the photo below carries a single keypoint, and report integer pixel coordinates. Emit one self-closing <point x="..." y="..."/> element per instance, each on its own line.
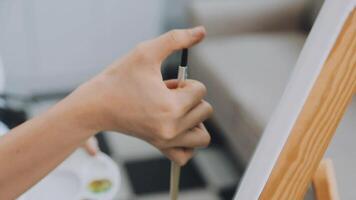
<point x="315" y="100"/>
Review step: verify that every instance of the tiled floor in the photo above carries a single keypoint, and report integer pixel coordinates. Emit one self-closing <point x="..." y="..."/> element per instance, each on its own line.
<point x="211" y="164"/>
<point x="210" y="176"/>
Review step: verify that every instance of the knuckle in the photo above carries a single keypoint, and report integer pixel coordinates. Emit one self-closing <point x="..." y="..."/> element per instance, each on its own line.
<point x="176" y="112"/>
<point x="165" y="108"/>
<point x="167" y="132"/>
<point x="199" y="86"/>
<point x="167" y="120"/>
<point x="209" y="108"/>
<point x="172" y="108"/>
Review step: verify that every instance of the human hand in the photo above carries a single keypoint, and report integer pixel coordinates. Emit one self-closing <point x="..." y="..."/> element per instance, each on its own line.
<point x="131" y="97"/>
<point x="91" y="146"/>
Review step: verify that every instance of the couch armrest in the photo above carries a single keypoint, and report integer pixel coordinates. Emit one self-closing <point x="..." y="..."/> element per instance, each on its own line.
<point x="226" y="17"/>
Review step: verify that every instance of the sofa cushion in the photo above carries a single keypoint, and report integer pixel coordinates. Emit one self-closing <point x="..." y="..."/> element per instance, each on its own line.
<point x="230" y="17"/>
<point x="246" y="76"/>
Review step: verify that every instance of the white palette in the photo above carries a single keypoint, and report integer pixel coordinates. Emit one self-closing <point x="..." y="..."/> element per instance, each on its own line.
<point x="71" y="179"/>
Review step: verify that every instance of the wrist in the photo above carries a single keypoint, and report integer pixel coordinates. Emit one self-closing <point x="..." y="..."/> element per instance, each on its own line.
<point x="75" y="115"/>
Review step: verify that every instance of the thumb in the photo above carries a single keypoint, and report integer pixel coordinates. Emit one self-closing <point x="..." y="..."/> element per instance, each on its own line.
<point x="173" y="40"/>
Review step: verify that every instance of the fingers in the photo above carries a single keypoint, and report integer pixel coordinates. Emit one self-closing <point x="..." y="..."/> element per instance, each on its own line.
<point x="190" y="132"/>
<point x="192" y="107"/>
<point x="197" y="115"/>
<point x="181" y="148"/>
<point x="194" y="138"/>
<point x="190" y="94"/>
<point x="179" y="155"/>
<point x="171" y="84"/>
<point x="174" y="40"/>
<point x="91" y="146"/>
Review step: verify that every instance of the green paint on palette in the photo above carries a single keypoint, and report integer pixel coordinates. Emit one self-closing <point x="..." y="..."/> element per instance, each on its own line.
<point x="100" y="186"/>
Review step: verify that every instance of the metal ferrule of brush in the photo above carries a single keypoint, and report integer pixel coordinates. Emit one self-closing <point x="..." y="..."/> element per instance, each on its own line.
<point x="182" y="75"/>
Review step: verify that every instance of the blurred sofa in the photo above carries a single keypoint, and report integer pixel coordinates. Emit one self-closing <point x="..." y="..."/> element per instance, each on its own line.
<point x="245" y="62"/>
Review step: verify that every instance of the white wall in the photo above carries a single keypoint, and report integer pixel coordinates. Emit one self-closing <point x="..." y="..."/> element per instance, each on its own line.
<point x="52" y="46"/>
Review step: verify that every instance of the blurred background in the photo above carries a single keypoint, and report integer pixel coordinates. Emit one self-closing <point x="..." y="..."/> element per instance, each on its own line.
<point x="48" y="48"/>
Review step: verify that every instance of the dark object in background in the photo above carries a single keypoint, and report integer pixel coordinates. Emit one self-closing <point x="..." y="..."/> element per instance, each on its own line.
<point x="103" y="145"/>
<point x="228" y="192"/>
<point x="152" y="176"/>
<point x="12" y="118"/>
<point x="215" y="133"/>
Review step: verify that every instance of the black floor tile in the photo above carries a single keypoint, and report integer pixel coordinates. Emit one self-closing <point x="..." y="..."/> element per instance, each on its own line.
<point x="152" y="176"/>
<point x="228" y="192"/>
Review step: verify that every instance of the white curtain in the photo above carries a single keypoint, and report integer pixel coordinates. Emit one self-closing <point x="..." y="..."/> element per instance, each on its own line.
<point x="53" y="46"/>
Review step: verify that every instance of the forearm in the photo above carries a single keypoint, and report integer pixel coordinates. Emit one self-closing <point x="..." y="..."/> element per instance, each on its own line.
<point x="33" y="149"/>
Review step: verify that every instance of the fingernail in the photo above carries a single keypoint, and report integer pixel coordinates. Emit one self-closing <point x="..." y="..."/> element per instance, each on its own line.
<point x="198" y="31"/>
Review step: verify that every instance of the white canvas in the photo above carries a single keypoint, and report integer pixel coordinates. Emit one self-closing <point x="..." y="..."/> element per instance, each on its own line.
<point x="315" y="51"/>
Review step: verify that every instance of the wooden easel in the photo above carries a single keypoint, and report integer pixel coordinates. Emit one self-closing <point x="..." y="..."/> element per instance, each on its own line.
<point x="289" y="155"/>
<point x="299" y="160"/>
<point x="324" y="182"/>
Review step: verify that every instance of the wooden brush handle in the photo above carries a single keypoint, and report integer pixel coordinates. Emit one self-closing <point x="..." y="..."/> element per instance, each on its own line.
<point x="175" y="176"/>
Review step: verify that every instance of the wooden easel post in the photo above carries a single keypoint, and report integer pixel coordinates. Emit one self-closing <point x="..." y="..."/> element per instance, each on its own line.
<point x="318" y="120"/>
<point x="324" y="181"/>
